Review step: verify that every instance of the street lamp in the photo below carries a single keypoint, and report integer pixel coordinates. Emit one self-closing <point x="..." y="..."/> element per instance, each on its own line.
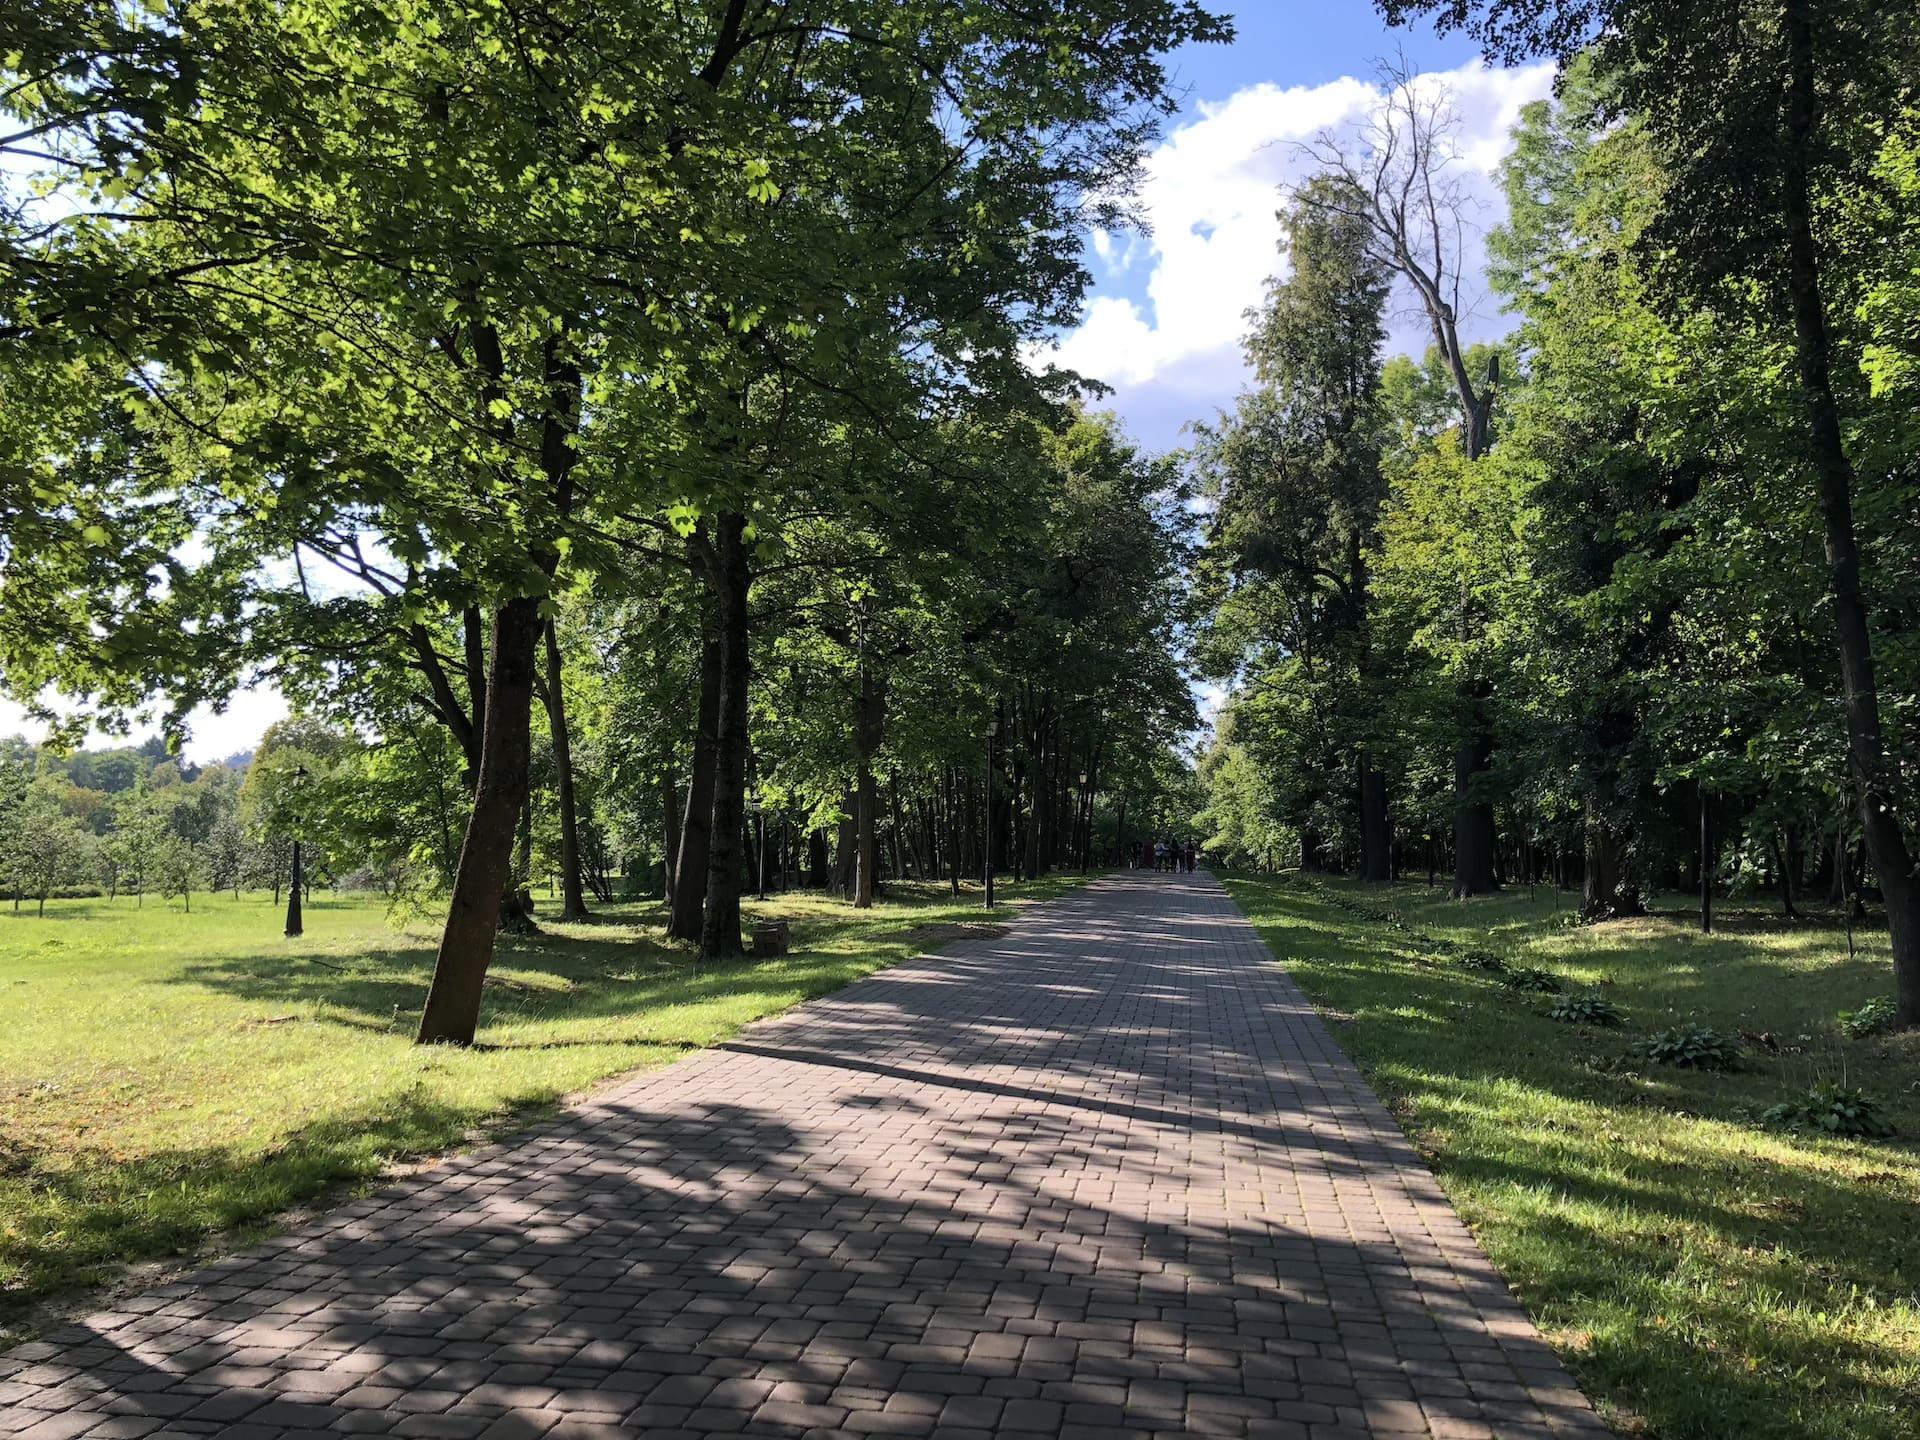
<point x="1086" y="836"/>
<point x="294" y="926"/>
<point x="760" y="824"/>
<point x="993" y="729"/>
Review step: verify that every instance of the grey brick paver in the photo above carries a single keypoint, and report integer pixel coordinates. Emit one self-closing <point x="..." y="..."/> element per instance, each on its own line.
<point x="1106" y="1175"/>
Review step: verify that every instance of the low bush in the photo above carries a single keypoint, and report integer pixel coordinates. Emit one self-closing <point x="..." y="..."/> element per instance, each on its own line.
<point x="1830" y="1110"/>
<point x="1870" y="1019"/>
<point x="1586" y="1009"/>
<point x="1691" y="1046"/>
<point x="1528" y="977"/>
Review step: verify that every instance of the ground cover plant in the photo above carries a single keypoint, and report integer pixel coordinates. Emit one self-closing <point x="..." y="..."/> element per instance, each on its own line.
<point x="165" y="1078"/>
<point x="1703" y="1271"/>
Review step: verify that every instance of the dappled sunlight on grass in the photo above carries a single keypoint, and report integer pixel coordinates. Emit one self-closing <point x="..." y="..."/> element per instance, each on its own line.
<point x="1704" y="1276"/>
<point x="167" y="1076"/>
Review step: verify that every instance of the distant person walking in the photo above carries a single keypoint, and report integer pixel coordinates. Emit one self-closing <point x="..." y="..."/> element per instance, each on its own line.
<point x="1191" y="857"/>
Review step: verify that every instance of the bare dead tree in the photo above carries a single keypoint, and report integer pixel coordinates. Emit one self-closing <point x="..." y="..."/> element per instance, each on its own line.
<point x="1406" y="181"/>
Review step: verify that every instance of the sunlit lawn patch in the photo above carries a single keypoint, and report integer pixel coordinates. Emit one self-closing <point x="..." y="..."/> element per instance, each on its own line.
<point x="1704" y="1277"/>
<point x="166" y="1076"/>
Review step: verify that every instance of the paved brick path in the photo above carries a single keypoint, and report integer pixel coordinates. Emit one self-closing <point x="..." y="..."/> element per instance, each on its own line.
<point x="1107" y="1176"/>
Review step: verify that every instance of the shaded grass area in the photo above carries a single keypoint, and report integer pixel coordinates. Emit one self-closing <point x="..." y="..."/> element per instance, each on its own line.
<point x="1702" y="1276"/>
<point x="166" y="1077"/>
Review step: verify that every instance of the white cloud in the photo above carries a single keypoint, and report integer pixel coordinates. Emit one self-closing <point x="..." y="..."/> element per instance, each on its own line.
<point x="1210" y="195"/>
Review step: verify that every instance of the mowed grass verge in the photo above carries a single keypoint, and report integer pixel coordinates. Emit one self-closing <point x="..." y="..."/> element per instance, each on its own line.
<point x="1702" y="1276"/>
<point x="169" y="1077"/>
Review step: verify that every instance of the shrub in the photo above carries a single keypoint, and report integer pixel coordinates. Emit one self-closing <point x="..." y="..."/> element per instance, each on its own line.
<point x="1691" y="1046"/>
<point x="1484" y="960"/>
<point x="1870" y="1019"/>
<point x="1527" y="977"/>
<point x="1586" y="1009"/>
<point x="1830" y="1110"/>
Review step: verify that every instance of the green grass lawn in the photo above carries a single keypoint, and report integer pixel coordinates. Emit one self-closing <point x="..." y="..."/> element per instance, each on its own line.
<point x="1703" y="1276"/>
<point x="167" y="1077"/>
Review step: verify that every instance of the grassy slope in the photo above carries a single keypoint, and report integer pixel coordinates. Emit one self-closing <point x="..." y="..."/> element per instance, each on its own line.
<point x="1703" y="1277"/>
<point x="165" y="1076"/>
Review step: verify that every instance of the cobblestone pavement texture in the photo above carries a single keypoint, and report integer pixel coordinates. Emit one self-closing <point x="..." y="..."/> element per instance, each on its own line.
<point x="1107" y="1175"/>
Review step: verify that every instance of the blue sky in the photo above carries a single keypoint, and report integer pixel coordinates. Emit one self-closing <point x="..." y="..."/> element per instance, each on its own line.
<point x="1163" y="321"/>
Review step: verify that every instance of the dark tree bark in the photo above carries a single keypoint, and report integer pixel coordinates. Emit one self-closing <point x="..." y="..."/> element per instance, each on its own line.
<point x="731" y="579"/>
<point x="670" y="818"/>
<point x="1376" y="834"/>
<point x="1610" y="891"/>
<point x="485" y="871"/>
<point x="573" y="902"/>
<point x="1783" y="856"/>
<point x="690" y="868"/>
<point x="1866" y="752"/>
<point x="952" y="838"/>
<point x="1709" y="861"/>
<point x="869" y="729"/>
<point x="1475" y="838"/>
<point x="817" y="858"/>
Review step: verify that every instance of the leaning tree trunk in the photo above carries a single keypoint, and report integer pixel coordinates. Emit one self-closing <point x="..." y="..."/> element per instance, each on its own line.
<point x="486" y="856"/>
<point x="731" y="580"/>
<point x="1866" y="753"/>
<point x="690" y="866"/>
<point x="573" y="904"/>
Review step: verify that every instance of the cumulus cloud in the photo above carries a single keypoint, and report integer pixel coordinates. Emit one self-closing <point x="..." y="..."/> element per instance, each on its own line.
<point x="1210" y="194"/>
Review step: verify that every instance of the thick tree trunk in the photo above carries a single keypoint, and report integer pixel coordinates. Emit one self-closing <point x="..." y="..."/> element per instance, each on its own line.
<point x="690" y="869"/>
<point x="817" y="858"/>
<point x="846" y="847"/>
<point x="1610" y="891"/>
<point x="1474" y="835"/>
<point x="1866" y="753"/>
<point x="573" y="903"/>
<point x="486" y="856"/>
<point x="1376" y="834"/>
<point x="731" y="580"/>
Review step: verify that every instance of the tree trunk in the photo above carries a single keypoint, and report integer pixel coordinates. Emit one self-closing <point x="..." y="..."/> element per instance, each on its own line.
<point x="1474" y="837"/>
<point x="1866" y="754"/>
<point x="690" y="868"/>
<point x="1783" y="853"/>
<point x="1376" y="834"/>
<point x="1709" y="861"/>
<point x="846" y="847"/>
<point x="869" y="729"/>
<point x="573" y="904"/>
<point x="1610" y="892"/>
<point x="452" y="1010"/>
<point x="670" y="836"/>
<point x="731" y="580"/>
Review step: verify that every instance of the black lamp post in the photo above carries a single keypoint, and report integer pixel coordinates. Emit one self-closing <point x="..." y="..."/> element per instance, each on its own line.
<point x="993" y="729"/>
<point x="1086" y="835"/>
<point x="760" y="827"/>
<point x="294" y="926"/>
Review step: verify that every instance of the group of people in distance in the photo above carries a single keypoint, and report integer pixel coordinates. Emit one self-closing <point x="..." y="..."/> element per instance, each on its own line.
<point x="1166" y="855"/>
